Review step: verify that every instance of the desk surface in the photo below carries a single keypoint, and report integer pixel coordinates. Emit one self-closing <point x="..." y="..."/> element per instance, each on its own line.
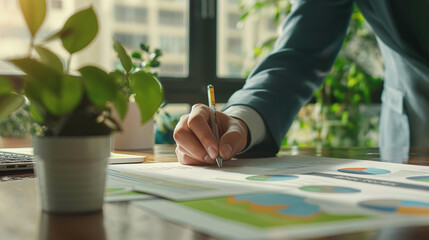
<point x="21" y="217"/>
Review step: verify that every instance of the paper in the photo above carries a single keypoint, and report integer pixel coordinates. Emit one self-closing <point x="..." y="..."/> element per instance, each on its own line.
<point x="116" y="191"/>
<point x="292" y="196"/>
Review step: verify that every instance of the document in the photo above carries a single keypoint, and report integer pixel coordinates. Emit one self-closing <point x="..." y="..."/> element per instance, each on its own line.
<point x="291" y="196"/>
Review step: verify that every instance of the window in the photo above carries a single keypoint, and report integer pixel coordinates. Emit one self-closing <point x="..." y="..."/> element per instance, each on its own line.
<point x="233" y="19"/>
<point x="172" y="44"/>
<point x="236" y="40"/>
<point x="172" y="69"/>
<point x="209" y="46"/>
<point x="130" y="14"/>
<point x="171" y="18"/>
<point x="131" y="41"/>
<point x="56" y="4"/>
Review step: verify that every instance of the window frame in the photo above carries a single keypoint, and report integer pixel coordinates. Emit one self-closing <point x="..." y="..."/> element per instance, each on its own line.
<point x="202" y="65"/>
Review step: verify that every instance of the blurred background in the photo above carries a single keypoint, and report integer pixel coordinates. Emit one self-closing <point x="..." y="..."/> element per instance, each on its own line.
<point x="216" y="42"/>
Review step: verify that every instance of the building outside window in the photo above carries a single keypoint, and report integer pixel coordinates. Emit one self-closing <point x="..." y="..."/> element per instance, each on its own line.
<point x="131" y="14"/>
<point x="171" y="18"/>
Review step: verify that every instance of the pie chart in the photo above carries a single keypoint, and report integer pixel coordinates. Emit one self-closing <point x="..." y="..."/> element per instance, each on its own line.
<point x="406" y="207"/>
<point x="419" y="178"/>
<point x="329" y="189"/>
<point x="367" y="171"/>
<point x="271" y="178"/>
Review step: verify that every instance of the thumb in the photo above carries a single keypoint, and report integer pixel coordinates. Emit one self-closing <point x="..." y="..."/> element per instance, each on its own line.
<point x="233" y="140"/>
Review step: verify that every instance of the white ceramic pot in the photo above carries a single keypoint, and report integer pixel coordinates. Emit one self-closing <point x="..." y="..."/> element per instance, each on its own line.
<point x="71" y="172"/>
<point x="134" y="135"/>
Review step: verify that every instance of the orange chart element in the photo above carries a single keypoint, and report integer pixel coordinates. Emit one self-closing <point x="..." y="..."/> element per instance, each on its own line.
<point x="405" y="207"/>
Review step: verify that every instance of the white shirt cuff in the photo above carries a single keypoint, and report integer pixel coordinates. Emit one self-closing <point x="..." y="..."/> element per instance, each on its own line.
<point x="252" y="119"/>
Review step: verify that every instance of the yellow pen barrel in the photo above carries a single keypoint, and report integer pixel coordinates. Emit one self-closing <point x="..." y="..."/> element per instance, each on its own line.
<point x="210" y="94"/>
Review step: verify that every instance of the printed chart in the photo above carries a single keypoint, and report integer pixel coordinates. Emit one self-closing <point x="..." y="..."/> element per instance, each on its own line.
<point x="369" y="171"/>
<point x="119" y="194"/>
<point x="292" y="196"/>
<point x="329" y="189"/>
<point x="406" y="207"/>
<point x="419" y="178"/>
<point x="271" y="178"/>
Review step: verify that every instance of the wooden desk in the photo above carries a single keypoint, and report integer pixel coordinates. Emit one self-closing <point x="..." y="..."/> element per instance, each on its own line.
<point x="21" y="217"/>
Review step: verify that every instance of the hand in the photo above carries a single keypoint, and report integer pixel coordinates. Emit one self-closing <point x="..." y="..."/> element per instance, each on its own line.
<point x="196" y="143"/>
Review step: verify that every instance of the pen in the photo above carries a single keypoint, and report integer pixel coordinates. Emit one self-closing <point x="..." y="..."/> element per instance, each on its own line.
<point x="213" y="120"/>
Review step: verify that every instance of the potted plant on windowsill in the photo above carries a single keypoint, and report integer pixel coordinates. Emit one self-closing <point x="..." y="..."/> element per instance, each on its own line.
<point x="134" y="135"/>
<point x="74" y="111"/>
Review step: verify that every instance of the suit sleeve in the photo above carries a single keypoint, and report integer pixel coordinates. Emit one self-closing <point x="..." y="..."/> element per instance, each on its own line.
<point x="287" y="78"/>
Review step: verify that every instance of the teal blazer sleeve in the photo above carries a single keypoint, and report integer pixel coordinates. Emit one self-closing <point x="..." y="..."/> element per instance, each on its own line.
<point x="287" y="78"/>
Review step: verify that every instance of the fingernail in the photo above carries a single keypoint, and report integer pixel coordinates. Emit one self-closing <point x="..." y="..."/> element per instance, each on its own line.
<point x="226" y="150"/>
<point x="207" y="158"/>
<point x="212" y="152"/>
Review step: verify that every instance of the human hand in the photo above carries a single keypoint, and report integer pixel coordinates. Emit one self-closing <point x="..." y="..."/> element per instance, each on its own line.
<point x="196" y="143"/>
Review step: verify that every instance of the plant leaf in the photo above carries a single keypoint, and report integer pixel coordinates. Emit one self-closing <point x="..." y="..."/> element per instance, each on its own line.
<point x="39" y="72"/>
<point x="100" y="87"/>
<point x="126" y="62"/>
<point x="10" y="102"/>
<point x="68" y="98"/>
<point x="34" y="12"/>
<point x="148" y="94"/>
<point x="50" y="59"/>
<point x="35" y="113"/>
<point x="79" y="30"/>
<point x="121" y="104"/>
<point x="136" y="55"/>
<point x="5" y="86"/>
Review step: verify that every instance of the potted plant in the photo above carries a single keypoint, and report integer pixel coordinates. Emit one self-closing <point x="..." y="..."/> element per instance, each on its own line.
<point x="17" y="128"/>
<point x="74" y="111"/>
<point x="134" y="135"/>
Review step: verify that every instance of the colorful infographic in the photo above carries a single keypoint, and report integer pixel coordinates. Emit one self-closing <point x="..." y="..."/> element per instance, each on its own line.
<point x="329" y="189"/>
<point x="271" y="178"/>
<point x="266" y="210"/>
<point x="405" y="207"/>
<point x="368" y="171"/>
<point x="119" y="194"/>
<point x="419" y="178"/>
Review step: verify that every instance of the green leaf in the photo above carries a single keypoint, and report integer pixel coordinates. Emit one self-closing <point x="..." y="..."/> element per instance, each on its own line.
<point x="148" y="94"/>
<point x="68" y="98"/>
<point x="34" y="12"/>
<point x="50" y="59"/>
<point x="37" y="115"/>
<point x="154" y="63"/>
<point x="5" y="86"/>
<point x="118" y="76"/>
<point x="10" y="102"/>
<point x="121" y="104"/>
<point x="79" y="30"/>
<point x="126" y="62"/>
<point x="100" y="87"/>
<point x="144" y="47"/>
<point x="39" y="72"/>
<point x="158" y="52"/>
<point x="136" y="55"/>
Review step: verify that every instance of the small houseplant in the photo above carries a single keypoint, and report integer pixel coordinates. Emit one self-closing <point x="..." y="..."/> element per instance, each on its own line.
<point x="74" y="111"/>
<point x="16" y="130"/>
<point x="135" y="135"/>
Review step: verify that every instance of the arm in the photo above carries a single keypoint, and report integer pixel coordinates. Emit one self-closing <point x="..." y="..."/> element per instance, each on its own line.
<point x="288" y="77"/>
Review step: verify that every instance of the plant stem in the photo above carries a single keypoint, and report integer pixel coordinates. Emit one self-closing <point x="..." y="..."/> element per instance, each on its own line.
<point x="68" y="64"/>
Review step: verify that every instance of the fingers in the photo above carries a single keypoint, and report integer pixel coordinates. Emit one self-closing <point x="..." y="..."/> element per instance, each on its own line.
<point x="198" y="122"/>
<point x="196" y="143"/>
<point x="187" y="141"/>
<point x="185" y="158"/>
<point x="234" y="139"/>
